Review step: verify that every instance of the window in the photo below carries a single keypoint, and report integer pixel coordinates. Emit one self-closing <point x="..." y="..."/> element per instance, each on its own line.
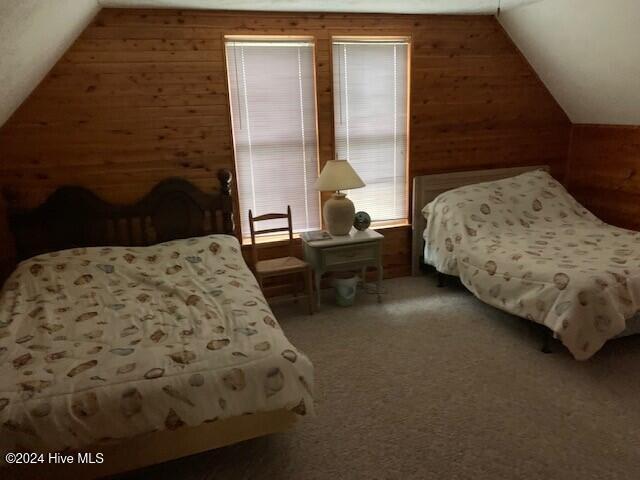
<point x="273" y="115"/>
<point x="370" y="88"/>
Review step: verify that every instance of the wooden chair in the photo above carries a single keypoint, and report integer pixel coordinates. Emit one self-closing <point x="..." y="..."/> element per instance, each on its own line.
<point x="276" y="267"/>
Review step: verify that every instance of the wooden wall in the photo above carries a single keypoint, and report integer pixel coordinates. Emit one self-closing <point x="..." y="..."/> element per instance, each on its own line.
<point x="7" y="247"/>
<point x="603" y="172"/>
<point x="142" y="95"/>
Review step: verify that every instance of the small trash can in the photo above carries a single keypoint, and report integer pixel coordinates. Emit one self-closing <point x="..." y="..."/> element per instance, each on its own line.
<point x="345" y="286"/>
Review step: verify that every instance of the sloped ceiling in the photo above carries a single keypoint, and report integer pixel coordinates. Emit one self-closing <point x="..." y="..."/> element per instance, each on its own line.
<point x="587" y="52"/>
<point x="33" y="36"/>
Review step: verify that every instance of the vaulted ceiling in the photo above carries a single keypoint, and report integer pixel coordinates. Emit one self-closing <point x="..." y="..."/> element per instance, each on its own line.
<point x="586" y="51"/>
<point x="33" y="36"/>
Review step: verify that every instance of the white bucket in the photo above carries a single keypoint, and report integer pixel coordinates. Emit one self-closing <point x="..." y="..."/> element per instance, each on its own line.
<point x="346" y="290"/>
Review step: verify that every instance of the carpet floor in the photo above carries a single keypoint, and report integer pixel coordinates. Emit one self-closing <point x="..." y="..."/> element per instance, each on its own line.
<point x="432" y="383"/>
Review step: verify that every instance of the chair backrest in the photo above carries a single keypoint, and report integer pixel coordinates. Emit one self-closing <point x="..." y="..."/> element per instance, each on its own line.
<point x="270" y="216"/>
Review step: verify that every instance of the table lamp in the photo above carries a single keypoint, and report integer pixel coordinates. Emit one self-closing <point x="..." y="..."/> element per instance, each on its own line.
<point x="338" y="211"/>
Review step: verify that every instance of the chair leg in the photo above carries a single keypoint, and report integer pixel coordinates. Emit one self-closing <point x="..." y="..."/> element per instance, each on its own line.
<point x="309" y="287"/>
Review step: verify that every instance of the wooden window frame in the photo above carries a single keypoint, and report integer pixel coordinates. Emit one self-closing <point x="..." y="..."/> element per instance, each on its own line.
<point x="409" y="39"/>
<point x="246" y="240"/>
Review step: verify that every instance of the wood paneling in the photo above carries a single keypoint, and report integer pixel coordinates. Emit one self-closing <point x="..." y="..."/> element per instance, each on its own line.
<point x="141" y="95"/>
<point x="7" y="247"/>
<point x="604" y="172"/>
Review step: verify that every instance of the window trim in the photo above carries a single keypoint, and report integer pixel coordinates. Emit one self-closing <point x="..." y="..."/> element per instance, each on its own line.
<point x="266" y="37"/>
<point x="381" y="38"/>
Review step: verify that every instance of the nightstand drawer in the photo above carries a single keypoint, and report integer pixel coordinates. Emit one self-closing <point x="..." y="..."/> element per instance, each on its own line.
<point x="349" y="254"/>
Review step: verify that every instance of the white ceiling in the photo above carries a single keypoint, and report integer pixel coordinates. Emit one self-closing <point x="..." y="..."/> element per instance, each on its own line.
<point x="372" y="6"/>
<point x="586" y="51"/>
<point x="33" y="36"/>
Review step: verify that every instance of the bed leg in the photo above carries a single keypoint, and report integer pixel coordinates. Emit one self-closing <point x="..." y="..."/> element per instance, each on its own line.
<point x="440" y="280"/>
<point x="546" y="341"/>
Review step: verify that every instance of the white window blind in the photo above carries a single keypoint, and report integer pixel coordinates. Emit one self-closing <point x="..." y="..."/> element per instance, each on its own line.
<point x="273" y="113"/>
<point x="370" y="88"/>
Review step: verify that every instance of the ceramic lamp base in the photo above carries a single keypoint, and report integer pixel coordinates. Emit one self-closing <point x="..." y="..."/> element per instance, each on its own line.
<point x="338" y="214"/>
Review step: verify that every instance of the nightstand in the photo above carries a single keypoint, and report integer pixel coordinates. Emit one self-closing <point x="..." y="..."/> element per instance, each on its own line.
<point x="358" y="250"/>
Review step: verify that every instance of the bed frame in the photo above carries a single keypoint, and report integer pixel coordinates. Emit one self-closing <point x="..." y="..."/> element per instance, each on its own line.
<point x="151" y="449"/>
<point x="74" y="217"/>
<point x="427" y="187"/>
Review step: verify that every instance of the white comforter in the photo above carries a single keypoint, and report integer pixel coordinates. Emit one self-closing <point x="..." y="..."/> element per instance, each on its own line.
<point x="526" y="246"/>
<point x="102" y="344"/>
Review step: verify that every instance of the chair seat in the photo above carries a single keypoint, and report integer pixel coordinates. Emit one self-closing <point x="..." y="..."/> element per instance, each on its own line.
<point x="280" y="265"/>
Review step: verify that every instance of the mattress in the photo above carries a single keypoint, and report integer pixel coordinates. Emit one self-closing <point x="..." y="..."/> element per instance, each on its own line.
<point x="102" y="344"/>
<point x="526" y="246"/>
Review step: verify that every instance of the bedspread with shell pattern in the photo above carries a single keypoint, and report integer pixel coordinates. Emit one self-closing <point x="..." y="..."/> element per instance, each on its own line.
<point x="102" y="344"/>
<point x="525" y="245"/>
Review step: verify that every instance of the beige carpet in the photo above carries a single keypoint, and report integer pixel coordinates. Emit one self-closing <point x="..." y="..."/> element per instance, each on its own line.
<point x="434" y="384"/>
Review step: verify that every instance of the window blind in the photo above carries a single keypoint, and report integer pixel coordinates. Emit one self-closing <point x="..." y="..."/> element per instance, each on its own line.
<point x="273" y="114"/>
<point x="370" y="85"/>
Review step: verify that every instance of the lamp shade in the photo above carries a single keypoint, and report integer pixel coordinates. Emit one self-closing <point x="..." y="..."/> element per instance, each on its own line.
<point x="338" y="175"/>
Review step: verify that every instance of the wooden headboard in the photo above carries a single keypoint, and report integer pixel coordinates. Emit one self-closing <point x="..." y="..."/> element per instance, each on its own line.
<point x="427" y="187"/>
<point x="74" y="217"/>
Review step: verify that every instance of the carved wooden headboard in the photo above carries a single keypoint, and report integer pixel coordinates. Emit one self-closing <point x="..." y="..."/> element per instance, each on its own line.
<point x="427" y="187"/>
<point x="74" y="217"/>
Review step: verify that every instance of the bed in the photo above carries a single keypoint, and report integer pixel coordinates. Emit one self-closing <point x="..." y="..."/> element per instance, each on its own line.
<point x="139" y="332"/>
<point x="521" y="243"/>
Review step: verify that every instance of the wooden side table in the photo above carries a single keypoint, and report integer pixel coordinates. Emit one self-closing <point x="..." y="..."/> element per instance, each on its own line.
<point x="358" y="250"/>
